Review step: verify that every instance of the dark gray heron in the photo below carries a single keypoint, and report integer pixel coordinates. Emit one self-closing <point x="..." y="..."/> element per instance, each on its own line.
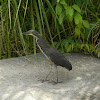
<point x="51" y="53"/>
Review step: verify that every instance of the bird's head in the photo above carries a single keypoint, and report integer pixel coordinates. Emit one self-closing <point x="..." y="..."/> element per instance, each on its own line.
<point x="31" y="32"/>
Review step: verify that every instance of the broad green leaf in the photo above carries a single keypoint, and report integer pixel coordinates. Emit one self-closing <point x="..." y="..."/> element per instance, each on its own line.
<point x="86" y="24"/>
<point x="70" y="18"/>
<point x="69" y="48"/>
<point x="66" y="46"/>
<point x="76" y="8"/>
<point x="62" y="2"/>
<point x="69" y="11"/>
<point x="58" y="9"/>
<point x="80" y="17"/>
<point x="77" y="18"/>
<point x="65" y="5"/>
<point x="61" y="17"/>
<point x="58" y="1"/>
<point x="77" y="31"/>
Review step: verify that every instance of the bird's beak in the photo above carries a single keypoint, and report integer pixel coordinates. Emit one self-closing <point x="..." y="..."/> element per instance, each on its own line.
<point x="31" y="32"/>
<point x="27" y="33"/>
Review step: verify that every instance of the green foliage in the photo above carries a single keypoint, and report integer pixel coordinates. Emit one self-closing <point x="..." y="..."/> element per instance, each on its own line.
<point x="58" y="9"/>
<point x="76" y="8"/>
<point x="79" y="27"/>
<point x="61" y="17"/>
<point x="74" y="25"/>
<point x="86" y="24"/>
<point x="71" y="12"/>
<point x="77" y="18"/>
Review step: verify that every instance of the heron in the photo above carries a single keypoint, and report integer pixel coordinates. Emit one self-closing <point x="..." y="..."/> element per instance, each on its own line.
<point x="51" y="53"/>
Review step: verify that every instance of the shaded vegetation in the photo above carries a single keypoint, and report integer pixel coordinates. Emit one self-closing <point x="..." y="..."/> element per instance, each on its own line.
<point x="69" y="25"/>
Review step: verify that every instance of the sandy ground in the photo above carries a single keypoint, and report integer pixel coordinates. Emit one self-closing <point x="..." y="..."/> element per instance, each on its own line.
<point x="20" y="79"/>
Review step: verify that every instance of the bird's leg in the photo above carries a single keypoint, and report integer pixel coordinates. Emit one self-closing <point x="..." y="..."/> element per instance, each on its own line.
<point x="45" y="78"/>
<point x="50" y="71"/>
<point x="57" y="74"/>
<point x="56" y="77"/>
<point x="47" y="75"/>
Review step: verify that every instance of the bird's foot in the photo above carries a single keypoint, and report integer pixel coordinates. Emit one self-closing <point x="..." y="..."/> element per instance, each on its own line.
<point x="54" y="83"/>
<point x="41" y="80"/>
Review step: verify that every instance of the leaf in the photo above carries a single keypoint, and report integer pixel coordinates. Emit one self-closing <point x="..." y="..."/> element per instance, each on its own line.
<point x="87" y="47"/>
<point x="77" y="18"/>
<point x="70" y="18"/>
<point x="77" y="31"/>
<point x="62" y="2"/>
<point x="58" y="9"/>
<point x="66" y="46"/>
<point x="80" y="17"/>
<point x="58" y="1"/>
<point x="86" y="24"/>
<point x="80" y="25"/>
<point x="65" y="5"/>
<point x="63" y="42"/>
<point x="69" y="11"/>
<point x="61" y="17"/>
<point x="76" y="8"/>
<point x="69" y="48"/>
<point x="70" y="40"/>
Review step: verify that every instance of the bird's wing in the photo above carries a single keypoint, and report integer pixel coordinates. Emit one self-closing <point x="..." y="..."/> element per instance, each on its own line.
<point x="56" y="57"/>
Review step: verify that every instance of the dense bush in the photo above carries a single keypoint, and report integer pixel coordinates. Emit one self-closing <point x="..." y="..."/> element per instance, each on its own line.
<point x="69" y="25"/>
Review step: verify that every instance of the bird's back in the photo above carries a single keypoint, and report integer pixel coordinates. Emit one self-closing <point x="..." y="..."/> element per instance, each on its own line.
<point x="58" y="58"/>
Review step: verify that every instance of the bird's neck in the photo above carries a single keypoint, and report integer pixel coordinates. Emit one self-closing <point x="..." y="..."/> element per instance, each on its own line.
<point x="42" y="43"/>
<point x="43" y="46"/>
